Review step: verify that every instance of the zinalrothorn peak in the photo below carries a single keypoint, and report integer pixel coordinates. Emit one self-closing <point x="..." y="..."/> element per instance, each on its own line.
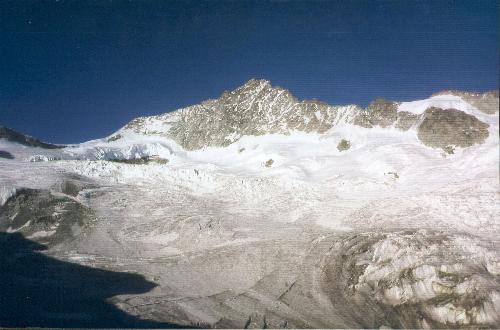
<point x="258" y="108"/>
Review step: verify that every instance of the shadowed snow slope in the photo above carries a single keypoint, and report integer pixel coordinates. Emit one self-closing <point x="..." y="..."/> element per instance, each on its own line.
<point x="260" y="210"/>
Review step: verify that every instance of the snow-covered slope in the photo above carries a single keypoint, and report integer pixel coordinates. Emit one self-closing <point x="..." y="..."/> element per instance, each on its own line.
<point x="443" y="101"/>
<point x="257" y="209"/>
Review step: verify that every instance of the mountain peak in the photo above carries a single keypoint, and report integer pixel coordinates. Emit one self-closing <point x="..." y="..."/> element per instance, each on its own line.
<point x="255" y="84"/>
<point x="252" y="88"/>
<point x="258" y="108"/>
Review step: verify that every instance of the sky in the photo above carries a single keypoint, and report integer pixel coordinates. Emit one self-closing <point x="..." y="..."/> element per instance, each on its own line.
<point x="72" y="71"/>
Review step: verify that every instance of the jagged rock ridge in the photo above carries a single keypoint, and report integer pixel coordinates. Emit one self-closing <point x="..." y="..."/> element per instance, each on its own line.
<point x="13" y="136"/>
<point x="257" y="108"/>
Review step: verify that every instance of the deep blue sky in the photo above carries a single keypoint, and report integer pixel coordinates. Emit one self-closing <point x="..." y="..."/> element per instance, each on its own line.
<point x="76" y="70"/>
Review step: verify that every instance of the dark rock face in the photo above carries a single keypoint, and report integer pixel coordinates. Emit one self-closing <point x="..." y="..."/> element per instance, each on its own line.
<point x="444" y="128"/>
<point x="141" y="161"/>
<point x="380" y="112"/>
<point x="115" y="138"/>
<point x="50" y="219"/>
<point x="13" y="136"/>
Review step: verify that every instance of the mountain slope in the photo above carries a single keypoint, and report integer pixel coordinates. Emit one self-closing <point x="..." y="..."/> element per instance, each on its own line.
<point x="260" y="210"/>
<point x="255" y="108"/>
<point x="26" y="140"/>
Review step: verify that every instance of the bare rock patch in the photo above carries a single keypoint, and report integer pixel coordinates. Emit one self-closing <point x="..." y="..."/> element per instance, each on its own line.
<point x="380" y="112"/>
<point x="43" y="217"/>
<point x="343" y="145"/>
<point x="444" y="128"/>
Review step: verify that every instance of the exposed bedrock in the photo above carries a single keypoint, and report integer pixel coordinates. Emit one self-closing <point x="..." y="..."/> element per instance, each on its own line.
<point x="451" y="128"/>
<point x="384" y="113"/>
<point x="43" y="217"/>
<point x="343" y="145"/>
<point x="254" y="109"/>
<point x="380" y="112"/>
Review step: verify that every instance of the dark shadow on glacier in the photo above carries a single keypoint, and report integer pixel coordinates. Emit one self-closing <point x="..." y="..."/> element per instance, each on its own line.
<point x="39" y="291"/>
<point x="6" y="154"/>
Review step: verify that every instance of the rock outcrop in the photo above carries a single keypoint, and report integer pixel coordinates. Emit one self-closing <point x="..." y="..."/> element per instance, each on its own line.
<point x="343" y="145"/>
<point x="43" y="217"/>
<point x="451" y="128"/>
<point x="380" y="112"/>
<point x="13" y="136"/>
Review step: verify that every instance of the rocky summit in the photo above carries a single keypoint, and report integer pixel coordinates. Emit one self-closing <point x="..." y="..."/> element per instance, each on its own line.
<point x="257" y="108"/>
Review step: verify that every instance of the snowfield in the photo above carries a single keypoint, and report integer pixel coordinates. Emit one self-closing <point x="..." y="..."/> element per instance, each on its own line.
<point x="443" y="101"/>
<point x="284" y="230"/>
